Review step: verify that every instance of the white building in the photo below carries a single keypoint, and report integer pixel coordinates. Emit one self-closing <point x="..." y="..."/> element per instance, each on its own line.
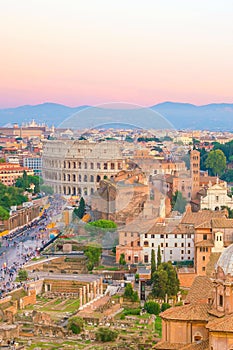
<point x="176" y="241"/>
<point x="216" y="197"/>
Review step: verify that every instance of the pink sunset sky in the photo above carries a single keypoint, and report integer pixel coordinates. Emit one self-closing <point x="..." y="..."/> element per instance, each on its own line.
<point x="79" y="52"/>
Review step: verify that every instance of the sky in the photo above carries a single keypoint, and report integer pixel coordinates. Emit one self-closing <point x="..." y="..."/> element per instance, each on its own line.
<point x="90" y="52"/>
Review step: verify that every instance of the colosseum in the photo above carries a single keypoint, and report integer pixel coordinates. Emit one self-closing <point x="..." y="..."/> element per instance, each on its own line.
<point x="75" y="167"/>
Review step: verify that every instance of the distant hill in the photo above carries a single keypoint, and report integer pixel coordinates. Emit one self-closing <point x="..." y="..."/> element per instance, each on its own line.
<point x="180" y="115"/>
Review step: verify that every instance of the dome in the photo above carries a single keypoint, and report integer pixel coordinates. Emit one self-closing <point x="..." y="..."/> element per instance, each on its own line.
<point x="225" y="260"/>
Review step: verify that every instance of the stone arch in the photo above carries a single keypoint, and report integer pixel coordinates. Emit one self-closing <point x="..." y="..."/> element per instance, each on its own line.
<point x="98" y="178"/>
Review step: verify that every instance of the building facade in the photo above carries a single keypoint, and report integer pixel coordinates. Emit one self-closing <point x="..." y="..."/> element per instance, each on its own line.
<point x="76" y="167"/>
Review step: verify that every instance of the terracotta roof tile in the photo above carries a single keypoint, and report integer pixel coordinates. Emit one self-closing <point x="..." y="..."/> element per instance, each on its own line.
<point x="205" y="243"/>
<point x="224" y="324"/>
<point x="201" y="217"/>
<point x="222" y="223"/>
<point x="204" y="345"/>
<point x="168" y="346"/>
<point x="190" y="312"/>
<point x="200" y="290"/>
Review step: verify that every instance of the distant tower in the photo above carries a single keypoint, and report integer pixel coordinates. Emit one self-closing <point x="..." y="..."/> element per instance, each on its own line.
<point x="195" y="172"/>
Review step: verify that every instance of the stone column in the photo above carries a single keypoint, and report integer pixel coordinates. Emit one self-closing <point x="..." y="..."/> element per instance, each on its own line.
<point x="98" y="287"/>
<point x="88" y="292"/>
<point x="81" y="296"/>
<point x="94" y="289"/>
<point x="84" y="295"/>
<point x="101" y="286"/>
<point x="91" y="290"/>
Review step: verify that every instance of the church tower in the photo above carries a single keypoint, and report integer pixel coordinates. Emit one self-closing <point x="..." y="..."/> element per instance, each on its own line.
<point x="195" y="172"/>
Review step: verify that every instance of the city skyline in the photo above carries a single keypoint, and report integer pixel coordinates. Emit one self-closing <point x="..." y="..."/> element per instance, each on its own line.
<point x="77" y="53"/>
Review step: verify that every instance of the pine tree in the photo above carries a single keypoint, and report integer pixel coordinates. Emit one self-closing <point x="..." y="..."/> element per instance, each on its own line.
<point x="80" y="211"/>
<point x="153" y="265"/>
<point x="159" y="257"/>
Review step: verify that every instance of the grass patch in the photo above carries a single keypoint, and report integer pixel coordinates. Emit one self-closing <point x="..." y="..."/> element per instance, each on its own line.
<point x="158" y="326"/>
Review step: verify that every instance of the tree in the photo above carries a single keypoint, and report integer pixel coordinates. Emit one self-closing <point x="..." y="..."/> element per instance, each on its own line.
<point x="230" y="211"/>
<point x="75" y="324"/>
<point x="165" y="306"/>
<point x="2" y="160"/>
<point x="228" y="175"/>
<point x="80" y="211"/>
<point x="216" y="162"/>
<point x="93" y="254"/>
<point x="129" y="293"/>
<point x="48" y="190"/>
<point x="105" y="334"/>
<point x="122" y="259"/>
<point x="178" y="202"/>
<point x="106" y="224"/>
<point x="153" y="265"/>
<point x="152" y="307"/>
<point x="4" y="214"/>
<point x="23" y="275"/>
<point x="165" y="281"/>
<point x="160" y="280"/>
<point x="159" y="257"/>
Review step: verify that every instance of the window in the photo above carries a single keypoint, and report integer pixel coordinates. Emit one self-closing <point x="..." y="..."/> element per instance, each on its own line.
<point x="112" y="166"/>
<point x="146" y="244"/>
<point x="145" y="235"/>
<point x="161" y="236"/>
<point x="166" y="244"/>
<point x="131" y="244"/>
<point x="182" y="252"/>
<point x="80" y="178"/>
<point x="175" y="244"/>
<point x="105" y="166"/>
<point x="220" y="300"/>
<point x="98" y="165"/>
<point x="203" y="268"/>
<point x="203" y="258"/>
<point x="146" y="259"/>
<point x="129" y="258"/>
<point x="92" y="166"/>
<point x="79" y="165"/>
<point x="161" y="244"/>
<point x="182" y="236"/>
<point x="125" y="234"/>
<point x="152" y="244"/>
<point x="85" y="165"/>
<point x="188" y="251"/>
<point x="189" y="245"/>
<point x="200" y="249"/>
<point x="206" y="249"/>
<point x="166" y="236"/>
<point x="217" y="198"/>
<point x="152" y="236"/>
<point x="91" y="178"/>
<point x="175" y="235"/>
<point x="204" y="237"/>
<point x="171" y="252"/>
<point x="85" y="178"/>
<point x="74" y="177"/>
<point x="182" y="244"/>
<point x="189" y="235"/>
<point x="74" y="165"/>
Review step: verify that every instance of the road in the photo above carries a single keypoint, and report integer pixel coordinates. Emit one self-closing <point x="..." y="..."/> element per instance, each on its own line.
<point x="22" y="245"/>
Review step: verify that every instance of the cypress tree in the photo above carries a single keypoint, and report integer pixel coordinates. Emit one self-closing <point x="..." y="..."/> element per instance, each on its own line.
<point x="153" y="265"/>
<point x="159" y="257"/>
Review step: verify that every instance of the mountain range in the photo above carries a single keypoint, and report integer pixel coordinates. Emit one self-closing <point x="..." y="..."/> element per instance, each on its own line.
<point x="215" y="116"/>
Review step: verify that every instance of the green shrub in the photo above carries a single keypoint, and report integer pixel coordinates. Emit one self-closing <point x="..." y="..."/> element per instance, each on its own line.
<point x="165" y="306"/>
<point x="23" y="275"/>
<point x="152" y="307"/>
<point x="75" y="324"/>
<point x="105" y="334"/>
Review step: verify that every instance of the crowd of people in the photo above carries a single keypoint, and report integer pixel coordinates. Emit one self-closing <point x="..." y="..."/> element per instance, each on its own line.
<point x="37" y="234"/>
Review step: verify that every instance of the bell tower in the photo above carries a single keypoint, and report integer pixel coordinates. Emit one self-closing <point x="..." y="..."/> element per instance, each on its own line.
<point x="195" y="172"/>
